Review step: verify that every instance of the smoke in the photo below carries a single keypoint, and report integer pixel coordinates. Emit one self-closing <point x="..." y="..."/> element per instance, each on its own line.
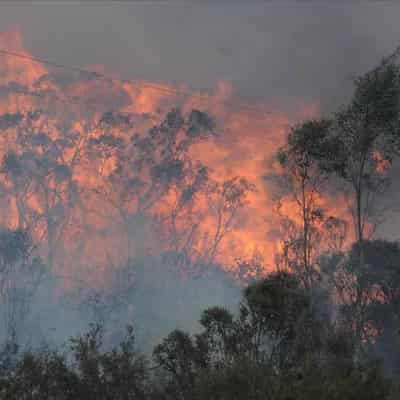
<point x="296" y="61"/>
<point x="61" y="193"/>
<point x="274" y="53"/>
<point x="155" y="305"/>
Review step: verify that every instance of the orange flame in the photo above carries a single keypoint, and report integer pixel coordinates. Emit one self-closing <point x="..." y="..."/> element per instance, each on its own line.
<point x="245" y="142"/>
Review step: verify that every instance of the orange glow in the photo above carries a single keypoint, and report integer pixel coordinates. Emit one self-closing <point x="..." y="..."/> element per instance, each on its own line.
<point x="93" y="234"/>
<point x="382" y="164"/>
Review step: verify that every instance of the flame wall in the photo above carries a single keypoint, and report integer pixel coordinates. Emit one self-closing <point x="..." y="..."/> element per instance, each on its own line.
<point x="246" y="141"/>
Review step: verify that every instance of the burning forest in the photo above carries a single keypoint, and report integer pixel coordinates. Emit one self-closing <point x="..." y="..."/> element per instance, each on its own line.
<point x="133" y="212"/>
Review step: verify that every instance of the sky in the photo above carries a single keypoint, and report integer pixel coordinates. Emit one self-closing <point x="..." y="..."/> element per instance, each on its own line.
<point x="279" y="53"/>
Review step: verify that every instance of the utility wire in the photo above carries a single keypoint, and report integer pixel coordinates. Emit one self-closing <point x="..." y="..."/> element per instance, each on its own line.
<point x="142" y="83"/>
<point x="66" y="100"/>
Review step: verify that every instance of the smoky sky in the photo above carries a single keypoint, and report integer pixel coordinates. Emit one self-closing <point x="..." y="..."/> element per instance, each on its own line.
<point x="278" y="53"/>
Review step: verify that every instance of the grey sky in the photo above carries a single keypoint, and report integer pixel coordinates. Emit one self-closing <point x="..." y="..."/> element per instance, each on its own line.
<point x="277" y="52"/>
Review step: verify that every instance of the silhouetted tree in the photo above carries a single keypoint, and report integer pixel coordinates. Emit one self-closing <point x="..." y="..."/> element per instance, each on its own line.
<point x="302" y="182"/>
<point x="21" y="272"/>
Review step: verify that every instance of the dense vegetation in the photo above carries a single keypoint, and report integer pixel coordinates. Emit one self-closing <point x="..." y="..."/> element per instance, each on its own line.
<point x="324" y="325"/>
<point x="279" y="346"/>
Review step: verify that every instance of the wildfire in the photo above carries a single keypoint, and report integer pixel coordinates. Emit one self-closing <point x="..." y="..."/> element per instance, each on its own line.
<point x="91" y="230"/>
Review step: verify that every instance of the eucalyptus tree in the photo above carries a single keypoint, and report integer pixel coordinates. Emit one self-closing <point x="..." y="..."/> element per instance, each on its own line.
<point x="365" y="139"/>
<point x="300" y="182"/>
<point x="37" y="171"/>
<point x="147" y="165"/>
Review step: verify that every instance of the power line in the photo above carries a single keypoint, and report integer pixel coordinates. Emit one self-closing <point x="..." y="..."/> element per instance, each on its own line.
<point x="142" y="83"/>
<point x="68" y="100"/>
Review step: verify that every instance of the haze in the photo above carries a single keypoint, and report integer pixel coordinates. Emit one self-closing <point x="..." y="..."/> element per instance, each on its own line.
<point x="277" y="53"/>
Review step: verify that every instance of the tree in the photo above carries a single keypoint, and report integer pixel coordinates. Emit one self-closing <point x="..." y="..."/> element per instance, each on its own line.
<point x="149" y="166"/>
<point x="301" y="182"/>
<point x="368" y="294"/>
<point x="195" y="246"/>
<point x="43" y="375"/>
<point x="366" y="139"/>
<point x="91" y="373"/>
<point x="381" y="273"/>
<point x="276" y="310"/>
<point x="119" y="374"/>
<point x="357" y="151"/>
<point x="21" y="273"/>
<point x="37" y="170"/>
<point x="177" y="356"/>
<point x="220" y="336"/>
